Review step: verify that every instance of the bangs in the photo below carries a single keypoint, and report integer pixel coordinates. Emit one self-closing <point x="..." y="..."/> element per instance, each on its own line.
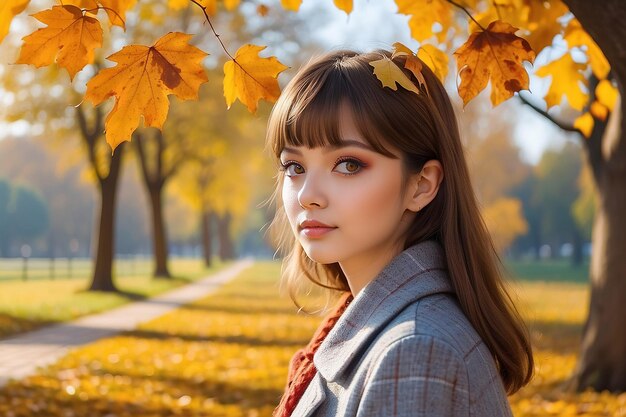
<point x="311" y="109"/>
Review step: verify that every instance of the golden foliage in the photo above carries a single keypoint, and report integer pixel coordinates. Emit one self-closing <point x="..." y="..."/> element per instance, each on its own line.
<point x="143" y="79"/>
<point x="607" y="94"/>
<point x="585" y="123"/>
<point x="115" y="9"/>
<point x="495" y="54"/>
<point x="70" y="34"/>
<point x="436" y="60"/>
<point x="8" y="10"/>
<point x="424" y="14"/>
<point x="576" y="36"/>
<point x="250" y="78"/>
<point x="516" y="31"/>
<point x="567" y="78"/>
<point x="505" y="220"/>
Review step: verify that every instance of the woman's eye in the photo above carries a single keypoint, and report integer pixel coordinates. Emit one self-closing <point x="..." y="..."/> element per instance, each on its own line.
<point x="293" y="168"/>
<point x="349" y="166"/>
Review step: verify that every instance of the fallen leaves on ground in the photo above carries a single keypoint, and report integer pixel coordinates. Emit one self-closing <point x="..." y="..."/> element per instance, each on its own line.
<point x="227" y="355"/>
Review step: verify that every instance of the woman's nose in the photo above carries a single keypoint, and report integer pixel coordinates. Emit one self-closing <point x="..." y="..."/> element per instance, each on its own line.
<point x="312" y="194"/>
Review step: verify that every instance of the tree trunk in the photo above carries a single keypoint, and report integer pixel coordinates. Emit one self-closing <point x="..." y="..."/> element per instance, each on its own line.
<point x="207" y="234"/>
<point x="160" y="233"/>
<point x="103" y="264"/>
<point x="602" y="363"/>
<point x="227" y="250"/>
<point x="154" y="181"/>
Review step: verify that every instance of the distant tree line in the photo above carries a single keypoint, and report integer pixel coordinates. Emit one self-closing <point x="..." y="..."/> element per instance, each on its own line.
<point x="24" y="216"/>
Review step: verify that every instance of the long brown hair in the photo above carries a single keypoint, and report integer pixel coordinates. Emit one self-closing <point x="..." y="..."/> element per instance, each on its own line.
<point x="423" y="127"/>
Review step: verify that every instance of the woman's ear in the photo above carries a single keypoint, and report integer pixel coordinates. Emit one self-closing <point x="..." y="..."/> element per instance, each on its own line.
<point x="424" y="185"/>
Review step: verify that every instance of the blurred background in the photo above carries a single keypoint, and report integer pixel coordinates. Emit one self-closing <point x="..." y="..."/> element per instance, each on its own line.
<point x="185" y="202"/>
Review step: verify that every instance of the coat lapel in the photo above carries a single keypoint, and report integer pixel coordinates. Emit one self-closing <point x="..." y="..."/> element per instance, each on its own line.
<point x="415" y="273"/>
<point x="313" y="396"/>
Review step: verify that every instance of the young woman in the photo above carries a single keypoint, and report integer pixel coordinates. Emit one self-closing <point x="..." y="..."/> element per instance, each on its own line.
<point x="376" y="204"/>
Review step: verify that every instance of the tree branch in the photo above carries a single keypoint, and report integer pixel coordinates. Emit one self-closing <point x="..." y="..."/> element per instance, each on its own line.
<point x="565" y="126"/>
<point x="90" y="136"/>
<point x="466" y="12"/>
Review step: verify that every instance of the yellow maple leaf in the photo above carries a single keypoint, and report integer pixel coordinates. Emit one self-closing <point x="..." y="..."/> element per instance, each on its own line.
<point x="70" y="37"/>
<point x="543" y="22"/>
<point x="251" y="77"/>
<point x="8" y="10"/>
<point x="142" y="81"/>
<point x="424" y="14"/>
<point x="566" y="76"/>
<point x="584" y="123"/>
<point x="293" y="5"/>
<point x="435" y="59"/>
<point x="606" y="93"/>
<point x="576" y="36"/>
<point x="116" y="10"/>
<point x="389" y="74"/>
<point x="494" y="54"/>
<point x="345" y="5"/>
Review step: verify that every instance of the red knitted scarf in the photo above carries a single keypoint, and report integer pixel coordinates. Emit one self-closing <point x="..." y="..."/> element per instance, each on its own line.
<point x="301" y="367"/>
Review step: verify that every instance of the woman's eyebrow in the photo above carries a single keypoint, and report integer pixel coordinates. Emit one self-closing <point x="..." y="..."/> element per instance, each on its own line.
<point x="291" y="150"/>
<point x="334" y="147"/>
<point x="351" y="142"/>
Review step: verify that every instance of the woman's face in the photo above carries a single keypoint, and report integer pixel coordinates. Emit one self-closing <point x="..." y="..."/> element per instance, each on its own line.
<point x="346" y="204"/>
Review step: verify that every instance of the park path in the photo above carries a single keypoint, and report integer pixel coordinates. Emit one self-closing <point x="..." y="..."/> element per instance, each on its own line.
<point x="21" y="355"/>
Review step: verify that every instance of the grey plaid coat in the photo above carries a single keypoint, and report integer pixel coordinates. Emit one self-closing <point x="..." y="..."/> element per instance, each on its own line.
<point x="404" y="348"/>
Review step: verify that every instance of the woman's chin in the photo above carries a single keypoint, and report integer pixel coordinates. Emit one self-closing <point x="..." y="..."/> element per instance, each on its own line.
<point x="321" y="257"/>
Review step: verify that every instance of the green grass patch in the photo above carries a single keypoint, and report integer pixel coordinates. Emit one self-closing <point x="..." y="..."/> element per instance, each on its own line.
<point x="548" y="271"/>
<point x="26" y="305"/>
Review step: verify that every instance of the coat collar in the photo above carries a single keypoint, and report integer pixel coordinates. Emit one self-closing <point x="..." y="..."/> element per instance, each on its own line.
<point x="413" y="274"/>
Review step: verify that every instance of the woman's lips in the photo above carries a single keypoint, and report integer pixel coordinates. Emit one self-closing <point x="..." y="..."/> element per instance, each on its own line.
<point x="313" y="228"/>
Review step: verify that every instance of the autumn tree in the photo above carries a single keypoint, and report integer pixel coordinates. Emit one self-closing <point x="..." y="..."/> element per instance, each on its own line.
<point x="502" y="36"/>
<point x="496" y="168"/>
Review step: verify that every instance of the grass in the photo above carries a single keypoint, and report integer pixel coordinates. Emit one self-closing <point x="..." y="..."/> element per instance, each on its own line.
<point x="26" y="305"/>
<point x="548" y="270"/>
<point x="227" y="355"/>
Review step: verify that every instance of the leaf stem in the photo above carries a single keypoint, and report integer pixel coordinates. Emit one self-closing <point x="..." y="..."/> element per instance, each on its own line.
<point x="107" y="9"/>
<point x="454" y="3"/>
<point x="206" y="15"/>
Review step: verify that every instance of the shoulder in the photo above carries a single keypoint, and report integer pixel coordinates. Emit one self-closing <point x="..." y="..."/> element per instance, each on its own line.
<point x="437" y="318"/>
<point x="431" y="351"/>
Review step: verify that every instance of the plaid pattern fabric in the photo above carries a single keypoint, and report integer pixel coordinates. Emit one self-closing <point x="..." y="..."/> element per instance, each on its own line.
<point x="404" y="348"/>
